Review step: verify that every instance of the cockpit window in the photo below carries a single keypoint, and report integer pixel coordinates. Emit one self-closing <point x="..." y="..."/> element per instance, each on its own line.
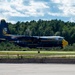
<point x="60" y="38"/>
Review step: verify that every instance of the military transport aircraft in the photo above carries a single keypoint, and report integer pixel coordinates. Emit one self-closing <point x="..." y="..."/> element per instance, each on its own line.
<point x="30" y="41"/>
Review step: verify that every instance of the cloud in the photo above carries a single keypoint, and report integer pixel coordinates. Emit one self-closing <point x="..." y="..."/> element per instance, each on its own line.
<point x="61" y="9"/>
<point x="36" y="9"/>
<point x="64" y="1"/>
<point x="17" y="8"/>
<point x="66" y="7"/>
<point x="72" y="19"/>
<point x="1" y="17"/>
<point x="54" y="14"/>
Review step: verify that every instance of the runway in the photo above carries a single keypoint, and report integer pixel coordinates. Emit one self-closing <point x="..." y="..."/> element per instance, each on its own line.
<point x="37" y="69"/>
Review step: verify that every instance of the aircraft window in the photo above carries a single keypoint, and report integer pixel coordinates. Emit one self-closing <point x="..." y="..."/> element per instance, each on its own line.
<point x="60" y="38"/>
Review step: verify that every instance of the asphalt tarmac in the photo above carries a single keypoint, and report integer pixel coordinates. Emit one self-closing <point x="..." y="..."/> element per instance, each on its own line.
<point x="37" y="69"/>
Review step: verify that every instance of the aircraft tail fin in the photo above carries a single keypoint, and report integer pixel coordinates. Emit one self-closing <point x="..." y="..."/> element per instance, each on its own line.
<point x="4" y="31"/>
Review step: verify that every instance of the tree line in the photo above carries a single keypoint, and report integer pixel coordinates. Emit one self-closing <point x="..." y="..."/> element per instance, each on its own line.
<point x="41" y="28"/>
<point x="45" y="28"/>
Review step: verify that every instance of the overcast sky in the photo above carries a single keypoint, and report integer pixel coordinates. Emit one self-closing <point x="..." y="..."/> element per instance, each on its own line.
<point x="27" y="10"/>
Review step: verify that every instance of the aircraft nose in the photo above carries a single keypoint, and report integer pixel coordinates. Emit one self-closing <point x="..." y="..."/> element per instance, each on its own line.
<point x="64" y="43"/>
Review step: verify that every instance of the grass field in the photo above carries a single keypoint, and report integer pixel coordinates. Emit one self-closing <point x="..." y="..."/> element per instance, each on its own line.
<point x="35" y="54"/>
